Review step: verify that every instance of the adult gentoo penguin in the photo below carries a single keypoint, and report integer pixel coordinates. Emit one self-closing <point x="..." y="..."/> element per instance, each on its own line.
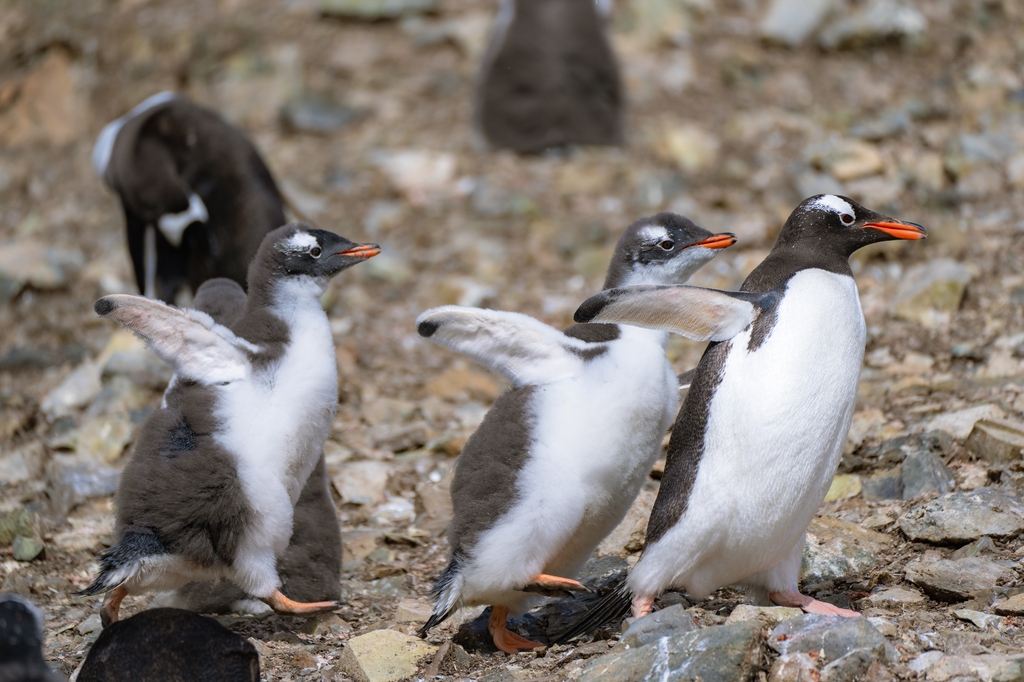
<point x="310" y="568"/>
<point x="197" y="197"/>
<point x="216" y="472"/>
<point x="761" y="431"/>
<point x="558" y="460"/>
<point x="549" y="78"/>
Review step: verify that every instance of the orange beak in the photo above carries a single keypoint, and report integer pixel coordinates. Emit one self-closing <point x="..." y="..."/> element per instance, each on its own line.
<point x="717" y="241"/>
<point x="900" y="230"/>
<point x="360" y="251"/>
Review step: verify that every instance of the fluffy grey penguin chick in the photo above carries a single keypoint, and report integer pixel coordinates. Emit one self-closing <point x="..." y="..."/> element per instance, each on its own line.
<point x="558" y="460"/>
<point x="759" y="436"/>
<point x="310" y="568"/>
<point x="21" y="642"/>
<point x="212" y="484"/>
<point x="197" y="197"/>
<point x="549" y="78"/>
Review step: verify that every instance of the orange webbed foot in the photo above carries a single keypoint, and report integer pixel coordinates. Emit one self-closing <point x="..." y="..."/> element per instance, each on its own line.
<point x="505" y="639"/>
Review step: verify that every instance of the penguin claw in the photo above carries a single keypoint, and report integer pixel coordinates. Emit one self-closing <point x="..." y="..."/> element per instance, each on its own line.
<point x="285" y="606"/>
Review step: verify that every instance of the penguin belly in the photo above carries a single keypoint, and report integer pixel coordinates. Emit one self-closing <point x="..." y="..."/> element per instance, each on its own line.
<point x="775" y="431"/>
<point x="592" y="450"/>
<point x="276" y="424"/>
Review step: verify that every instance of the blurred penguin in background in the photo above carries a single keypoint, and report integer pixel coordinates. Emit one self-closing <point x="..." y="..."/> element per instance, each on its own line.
<point x="196" y="195"/>
<point x="550" y="77"/>
<point x="21" y="642"/>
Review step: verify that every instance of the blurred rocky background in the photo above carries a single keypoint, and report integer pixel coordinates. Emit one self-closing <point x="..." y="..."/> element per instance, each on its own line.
<point x="362" y="108"/>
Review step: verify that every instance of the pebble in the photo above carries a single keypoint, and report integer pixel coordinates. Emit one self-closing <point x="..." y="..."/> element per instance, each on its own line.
<point x="413" y="611"/>
<point x="719" y="653"/>
<point x="375" y="10"/>
<point x="873" y="22"/>
<point x="838" y="548"/>
<point x="317" y="115"/>
<point x="769" y="616"/>
<point x="981" y="667"/>
<point x="434" y="505"/>
<point x="23" y="464"/>
<point x="383" y="656"/>
<point x="356" y="545"/>
<point x="71" y="480"/>
<point x="790" y="22"/>
<point x="832" y="638"/>
<point x="997" y="442"/>
<point x="361" y="482"/>
<point x="90" y="624"/>
<point x="690" y="147"/>
<point x="894" y="596"/>
<point x="960" y="517"/>
<point x="929" y="293"/>
<point x="923" y="472"/>
<point x="960" y="423"/>
<point x="979" y="618"/>
<point x="140" y="365"/>
<point x="74" y="393"/>
<point x="16" y="523"/>
<point x="423" y="176"/>
<point x="844" y="486"/>
<point x="798" y="667"/>
<point x="953" y="580"/>
<point x="106" y="438"/>
<point x="1014" y="606"/>
<point x="459" y="384"/>
<point x="26" y="548"/>
<point x="982" y="544"/>
<point x="883" y="485"/>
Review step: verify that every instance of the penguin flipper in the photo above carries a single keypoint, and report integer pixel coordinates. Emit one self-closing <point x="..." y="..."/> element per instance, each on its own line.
<point x="190" y="341"/>
<point x="696" y="313"/>
<point x="524" y="350"/>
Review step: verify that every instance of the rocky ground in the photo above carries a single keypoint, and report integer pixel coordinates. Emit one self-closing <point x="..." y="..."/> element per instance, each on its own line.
<point x="737" y="110"/>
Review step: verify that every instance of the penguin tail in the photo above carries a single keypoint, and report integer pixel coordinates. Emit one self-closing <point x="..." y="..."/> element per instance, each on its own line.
<point x="122" y="561"/>
<point x="614" y="606"/>
<point x="446" y="594"/>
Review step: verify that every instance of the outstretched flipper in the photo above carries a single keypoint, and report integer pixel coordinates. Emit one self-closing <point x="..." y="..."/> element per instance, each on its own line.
<point x="521" y="348"/>
<point x="696" y="313"/>
<point x="198" y="349"/>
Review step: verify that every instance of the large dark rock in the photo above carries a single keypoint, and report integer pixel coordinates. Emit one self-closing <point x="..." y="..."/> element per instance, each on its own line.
<point x="956" y="518"/>
<point x="165" y="645"/>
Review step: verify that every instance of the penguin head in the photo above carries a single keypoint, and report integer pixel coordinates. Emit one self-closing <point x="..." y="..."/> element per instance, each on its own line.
<point x="840" y="224"/>
<point x="663" y="249"/>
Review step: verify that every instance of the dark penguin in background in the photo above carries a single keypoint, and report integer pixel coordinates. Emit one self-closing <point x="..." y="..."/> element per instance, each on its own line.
<point x="21" y="642"/>
<point x="760" y="434"/>
<point x="559" y="459"/>
<point x="549" y="78"/>
<point x="310" y="568"/>
<point x="161" y="645"/>
<point x="213" y="481"/>
<point x="197" y="197"/>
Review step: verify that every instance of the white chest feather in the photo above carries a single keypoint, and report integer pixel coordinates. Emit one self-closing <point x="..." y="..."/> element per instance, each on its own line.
<point x="774" y="435"/>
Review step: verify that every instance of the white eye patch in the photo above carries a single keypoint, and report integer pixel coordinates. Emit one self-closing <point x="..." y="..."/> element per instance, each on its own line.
<point x="652" y="233"/>
<point x="300" y="242"/>
<point x="830" y="202"/>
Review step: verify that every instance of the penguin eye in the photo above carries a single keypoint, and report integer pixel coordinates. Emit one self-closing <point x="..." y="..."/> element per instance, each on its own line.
<point x="846" y="218"/>
<point x="315" y="252"/>
<point x="667" y="244"/>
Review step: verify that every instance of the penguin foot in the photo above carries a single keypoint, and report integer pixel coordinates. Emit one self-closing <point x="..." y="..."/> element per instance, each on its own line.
<point x="554" y="586"/>
<point x="505" y="639"/>
<point x="112" y="605"/>
<point x="642" y="606"/>
<point x="809" y="604"/>
<point x="285" y="606"/>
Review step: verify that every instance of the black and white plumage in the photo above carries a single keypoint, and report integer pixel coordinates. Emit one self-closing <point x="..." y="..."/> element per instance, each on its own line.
<point x="216" y="472"/>
<point x="761" y="431"/>
<point x="21" y="642"/>
<point x="197" y="197"/>
<point x="549" y="78"/>
<point x="558" y="460"/>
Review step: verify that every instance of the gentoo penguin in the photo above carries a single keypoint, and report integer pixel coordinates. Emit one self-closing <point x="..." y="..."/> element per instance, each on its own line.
<point x="211" y="486"/>
<point x="761" y="431"/>
<point x="170" y="644"/>
<point x="558" y="459"/>
<point x="21" y="642"/>
<point x="310" y="568"/>
<point x="197" y="197"/>
<point x="549" y="78"/>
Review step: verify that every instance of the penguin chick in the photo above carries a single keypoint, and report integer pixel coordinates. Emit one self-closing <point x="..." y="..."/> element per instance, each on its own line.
<point x="197" y="197"/>
<point x="558" y="459"/>
<point x="549" y="78"/>
<point x="310" y="568"/>
<point x="21" y="642"/>
<point x="760" y="434"/>
<point x="211" y="486"/>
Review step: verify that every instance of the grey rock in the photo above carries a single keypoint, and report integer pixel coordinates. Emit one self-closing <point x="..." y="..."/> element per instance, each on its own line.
<point x="831" y="637"/>
<point x="362" y="482"/>
<point x="769" y="616"/>
<point x="935" y="286"/>
<point x="989" y="667"/>
<point x="960" y="517"/>
<point x="888" y="124"/>
<point x="72" y="480"/>
<point x="650" y="629"/>
<point x="849" y="668"/>
<point x="883" y="485"/>
<point x="375" y="10"/>
<point x="982" y="544"/>
<point x="28" y="263"/>
<point x="893" y="596"/>
<point x="795" y="668"/>
<point x="997" y="442"/>
<point x="22" y="464"/>
<point x="876" y="21"/>
<point x="924" y="472"/>
<point x="27" y="548"/>
<point x="979" y="618"/>
<point x="836" y="549"/>
<point x="141" y="366"/>
<point x="383" y="656"/>
<point x="718" y="653"/>
<point x="74" y="393"/>
<point x="317" y="115"/>
<point x="957" y="580"/>
<point x="19" y="522"/>
<point x="790" y="22"/>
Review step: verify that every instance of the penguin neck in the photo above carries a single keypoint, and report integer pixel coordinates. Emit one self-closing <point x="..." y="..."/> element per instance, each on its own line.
<point x="785" y="260"/>
<point x="277" y="305"/>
